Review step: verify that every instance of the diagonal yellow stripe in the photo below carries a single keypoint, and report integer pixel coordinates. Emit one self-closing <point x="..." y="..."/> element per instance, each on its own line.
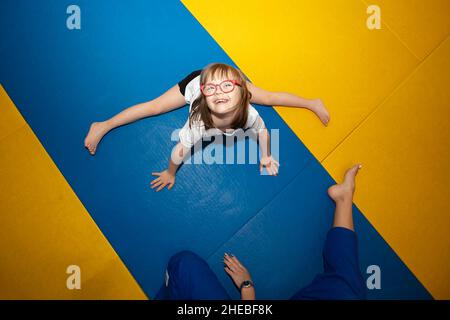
<point x="44" y="228"/>
<point x="403" y="190"/>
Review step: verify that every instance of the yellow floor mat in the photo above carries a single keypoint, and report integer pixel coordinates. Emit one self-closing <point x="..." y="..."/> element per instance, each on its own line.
<point x="45" y="226"/>
<point x="324" y="49"/>
<point x="404" y="148"/>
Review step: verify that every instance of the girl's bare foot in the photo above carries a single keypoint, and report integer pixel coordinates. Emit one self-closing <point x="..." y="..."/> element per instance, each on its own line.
<point x="319" y="109"/>
<point x="345" y="190"/>
<point x="95" y="134"/>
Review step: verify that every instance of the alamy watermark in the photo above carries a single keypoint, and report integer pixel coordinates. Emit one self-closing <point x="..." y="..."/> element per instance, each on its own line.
<point x="374" y="280"/>
<point x="73" y="21"/>
<point x="222" y="149"/>
<point x="73" y="281"/>
<point x="374" y="20"/>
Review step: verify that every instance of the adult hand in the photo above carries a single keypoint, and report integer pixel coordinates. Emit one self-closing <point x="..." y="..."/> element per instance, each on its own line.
<point x="235" y="270"/>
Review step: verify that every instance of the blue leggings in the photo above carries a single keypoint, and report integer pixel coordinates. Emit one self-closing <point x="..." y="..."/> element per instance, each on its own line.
<point x="341" y="278"/>
<point x="191" y="278"/>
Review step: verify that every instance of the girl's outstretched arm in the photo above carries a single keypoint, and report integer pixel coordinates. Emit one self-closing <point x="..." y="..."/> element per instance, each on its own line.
<point x="167" y="177"/>
<point x="267" y="161"/>
<point x="270" y="98"/>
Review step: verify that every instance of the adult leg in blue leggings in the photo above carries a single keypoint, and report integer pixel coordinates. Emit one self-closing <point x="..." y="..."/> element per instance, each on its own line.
<point x="189" y="277"/>
<point x="341" y="279"/>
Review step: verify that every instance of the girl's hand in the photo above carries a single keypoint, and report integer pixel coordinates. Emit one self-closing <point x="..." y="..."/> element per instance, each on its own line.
<point x="165" y="178"/>
<point x="270" y="164"/>
<point x="235" y="270"/>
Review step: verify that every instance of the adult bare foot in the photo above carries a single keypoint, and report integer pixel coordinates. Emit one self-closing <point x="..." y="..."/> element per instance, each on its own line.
<point x="95" y="134"/>
<point x="344" y="191"/>
<point x="319" y="109"/>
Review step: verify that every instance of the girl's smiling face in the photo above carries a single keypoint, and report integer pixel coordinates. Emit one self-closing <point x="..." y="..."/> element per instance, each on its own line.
<point x="222" y="102"/>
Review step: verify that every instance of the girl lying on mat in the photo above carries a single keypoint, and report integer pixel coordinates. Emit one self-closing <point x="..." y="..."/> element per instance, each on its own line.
<point x="219" y="97"/>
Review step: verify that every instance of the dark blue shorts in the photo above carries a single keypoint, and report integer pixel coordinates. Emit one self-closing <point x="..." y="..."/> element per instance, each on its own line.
<point x="341" y="279"/>
<point x="183" y="83"/>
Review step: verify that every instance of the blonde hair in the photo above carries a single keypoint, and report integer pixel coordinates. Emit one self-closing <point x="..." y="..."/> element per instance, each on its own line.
<point x="200" y="110"/>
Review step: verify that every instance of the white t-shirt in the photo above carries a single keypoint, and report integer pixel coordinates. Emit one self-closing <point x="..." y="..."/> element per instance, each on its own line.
<point x="190" y="135"/>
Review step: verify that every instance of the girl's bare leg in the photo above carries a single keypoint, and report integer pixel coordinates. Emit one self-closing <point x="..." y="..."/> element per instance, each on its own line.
<point x="261" y="96"/>
<point x="342" y="194"/>
<point x="170" y="100"/>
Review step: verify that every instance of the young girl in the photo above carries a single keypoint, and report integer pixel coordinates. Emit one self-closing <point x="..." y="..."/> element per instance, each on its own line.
<point x="219" y="97"/>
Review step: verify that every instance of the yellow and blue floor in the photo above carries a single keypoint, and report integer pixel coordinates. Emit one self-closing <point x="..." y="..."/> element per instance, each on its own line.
<point x="388" y="95"/>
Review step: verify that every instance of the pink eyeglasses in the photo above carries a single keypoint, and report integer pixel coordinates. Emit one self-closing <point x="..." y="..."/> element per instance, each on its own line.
<point x="226" y="86"/>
